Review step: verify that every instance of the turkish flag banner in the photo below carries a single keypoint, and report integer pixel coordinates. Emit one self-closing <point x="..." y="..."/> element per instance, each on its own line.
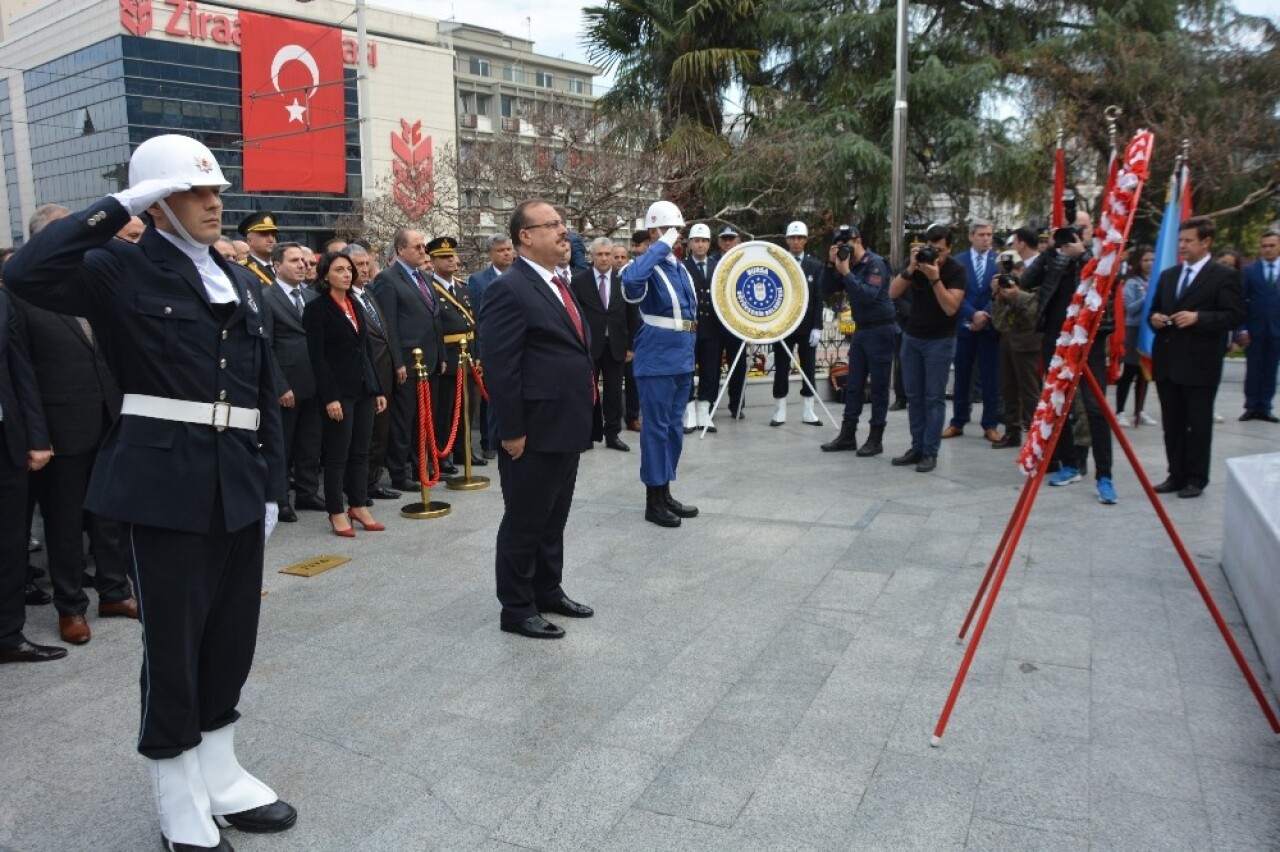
<point x="292" y="104"/>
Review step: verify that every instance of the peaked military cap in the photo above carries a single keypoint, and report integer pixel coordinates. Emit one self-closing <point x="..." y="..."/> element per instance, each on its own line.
<point x="257" y="221"/>
<point x="442" y="247"/>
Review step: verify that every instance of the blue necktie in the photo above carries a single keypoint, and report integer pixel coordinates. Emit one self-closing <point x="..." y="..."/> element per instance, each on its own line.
<point x="1186" y="280"/>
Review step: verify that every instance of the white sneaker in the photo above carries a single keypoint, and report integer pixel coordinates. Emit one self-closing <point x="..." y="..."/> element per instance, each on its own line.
<point x="1148" y="420"/>
<point x="1218" y="418"/>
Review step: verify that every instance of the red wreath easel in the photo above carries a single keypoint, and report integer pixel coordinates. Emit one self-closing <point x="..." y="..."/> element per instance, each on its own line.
<point x="1068" y="367"/>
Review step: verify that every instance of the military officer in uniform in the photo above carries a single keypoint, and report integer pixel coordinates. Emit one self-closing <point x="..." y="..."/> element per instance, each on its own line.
<point x="260" y="232"/>
<point x="458" y="322"/>
<point x="715" y="343"/>
<point x="194" y="466"/>
<point x="663" y="359"/>
<point x="862" y="277"/>
<point x="804" y="340"/>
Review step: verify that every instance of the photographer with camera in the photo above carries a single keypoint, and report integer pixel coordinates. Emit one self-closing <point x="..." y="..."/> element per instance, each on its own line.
<point x="1053" y="279"/>
<point x="937" y="284"/>
<point x="1013" y="313"/>
<point x="863" y="278"/>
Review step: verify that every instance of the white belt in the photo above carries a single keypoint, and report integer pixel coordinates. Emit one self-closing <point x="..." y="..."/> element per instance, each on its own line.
<point x="669" y="323"/>
<point x="219" y="415"/>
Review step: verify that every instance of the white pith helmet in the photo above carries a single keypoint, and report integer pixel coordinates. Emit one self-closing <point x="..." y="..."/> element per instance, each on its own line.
<point x="699" y="231"/>
<point x="797" y="229"/>
<point x="177" y="158"/>
<point x="663" y="214"/>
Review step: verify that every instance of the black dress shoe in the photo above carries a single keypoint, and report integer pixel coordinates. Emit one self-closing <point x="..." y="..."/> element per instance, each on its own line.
<point x="1247" y="416"/>
<point x="535" y="627"/>
<point x="568" y="607"/>
<point x="407" y="485"/>
<point x="909" y="457"/>
<point x="1169" y="486"/>
<point x="489" y="454"/>
<point x="613" y="442"/>
<point x="287" y="514"/>
<point x="1190" y="491"/>
<point x="37" y="596"/>
<point x="898" y="405"/>
<point x="30" y="652"/>
<point x="266" y="819"/>
<point x="381" y="493"/>
<point x="448" y="468"/>
<point x="223" y="846"/>
<point x="314" y="504"/>
<point x="926" y="464"/>
<point x="478" y="461"/>
<point x="1266" y="415"/>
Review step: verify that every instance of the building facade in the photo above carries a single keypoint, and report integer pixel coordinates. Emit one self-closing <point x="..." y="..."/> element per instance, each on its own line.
<point x="82" y="84"/>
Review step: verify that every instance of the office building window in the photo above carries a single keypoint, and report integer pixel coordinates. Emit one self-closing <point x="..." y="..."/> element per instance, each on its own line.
<point x="546" y="80"/>
<point x="479" y="67"/>
<point x="512" y="74"/>
<point x="575" y="86"/>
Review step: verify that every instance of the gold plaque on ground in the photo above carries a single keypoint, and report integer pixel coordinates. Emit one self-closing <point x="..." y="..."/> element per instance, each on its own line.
<point x="759" y="292"/>
<point x="315" y="565"/>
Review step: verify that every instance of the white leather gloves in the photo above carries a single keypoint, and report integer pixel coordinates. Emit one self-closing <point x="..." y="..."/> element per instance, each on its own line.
<point x="669" y="236"/>
<point x="815" y="337"/>
<point x="270" y="520"/>
<point x="138" y="198"/>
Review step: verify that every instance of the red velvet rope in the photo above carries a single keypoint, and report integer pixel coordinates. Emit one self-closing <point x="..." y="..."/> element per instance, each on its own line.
<point x="475" y="374"/>
<point x="427" y="429"/>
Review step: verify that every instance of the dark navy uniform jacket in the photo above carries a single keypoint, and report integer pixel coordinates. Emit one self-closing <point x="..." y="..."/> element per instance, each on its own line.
<point x="162" y="337"/>
<point x="867" y="286"/>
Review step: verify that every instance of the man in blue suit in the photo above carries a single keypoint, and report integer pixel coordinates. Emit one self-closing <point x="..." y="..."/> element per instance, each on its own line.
<point x="976" y="337"/>
<point x="501" y="254"/>
<point x="1260" y="334"/>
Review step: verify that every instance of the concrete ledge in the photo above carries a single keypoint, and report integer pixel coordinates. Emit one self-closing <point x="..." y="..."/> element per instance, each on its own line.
<point x="1251" y="549"/>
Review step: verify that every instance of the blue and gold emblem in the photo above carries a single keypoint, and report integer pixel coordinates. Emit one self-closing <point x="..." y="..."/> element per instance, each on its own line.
<point x="759" y="292"/>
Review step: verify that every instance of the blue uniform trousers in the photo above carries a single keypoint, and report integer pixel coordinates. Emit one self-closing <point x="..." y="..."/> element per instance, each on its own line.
<point x="662" y="402"/>
<point x="1262" y="357"/>
<point x="870" y="354"/>
<point x="986" y="349"/>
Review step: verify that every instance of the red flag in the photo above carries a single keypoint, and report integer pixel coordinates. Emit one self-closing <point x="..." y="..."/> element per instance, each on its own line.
<point x="291" y="97"/>
<point x="1059" y="216"/>
<point x="1186" y="193"/>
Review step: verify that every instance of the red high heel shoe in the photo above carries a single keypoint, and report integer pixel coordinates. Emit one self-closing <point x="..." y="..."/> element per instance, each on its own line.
<point x="372" y="527"/>
<point x="349" y="532"/>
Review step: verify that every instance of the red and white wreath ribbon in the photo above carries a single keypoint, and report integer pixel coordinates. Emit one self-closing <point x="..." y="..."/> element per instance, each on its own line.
<point x="1119" y="205"/>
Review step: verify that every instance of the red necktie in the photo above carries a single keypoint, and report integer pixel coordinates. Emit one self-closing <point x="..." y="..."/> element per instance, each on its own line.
<point x="577" y="323"/>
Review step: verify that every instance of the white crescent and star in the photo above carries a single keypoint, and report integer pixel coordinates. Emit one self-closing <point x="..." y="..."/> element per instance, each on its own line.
<point x="295" y="53"/>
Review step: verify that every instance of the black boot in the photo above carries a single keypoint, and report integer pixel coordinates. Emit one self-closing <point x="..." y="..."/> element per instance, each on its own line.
<point x="655" y="508"/>
<point x="846" y="440"/>
<point x="872" y="447"/>
<point x="677" y="508"/>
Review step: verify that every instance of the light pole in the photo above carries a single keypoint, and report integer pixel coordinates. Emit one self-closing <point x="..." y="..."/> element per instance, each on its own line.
<point x="898" y="202"/>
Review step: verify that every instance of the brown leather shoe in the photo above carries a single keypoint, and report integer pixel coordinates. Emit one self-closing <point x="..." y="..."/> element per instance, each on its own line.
<point x="73" y="629"/>
<point x="127" y="608"/>
<point x="992" y="435"/>
<point x="953" y="431"/>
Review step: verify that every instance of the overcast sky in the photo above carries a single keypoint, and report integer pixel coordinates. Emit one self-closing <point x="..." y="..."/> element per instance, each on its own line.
<point x="556" y="25"/>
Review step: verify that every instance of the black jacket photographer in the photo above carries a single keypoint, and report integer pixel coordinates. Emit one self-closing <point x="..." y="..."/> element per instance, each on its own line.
<point x="1013" y="313"/>
<point x="863" y="278"/>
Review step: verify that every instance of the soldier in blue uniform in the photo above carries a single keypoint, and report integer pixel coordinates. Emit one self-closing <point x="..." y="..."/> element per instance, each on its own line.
<point x="863" y="278"/>
<point x="663" y="358"/>
<point x="194" y="466"/>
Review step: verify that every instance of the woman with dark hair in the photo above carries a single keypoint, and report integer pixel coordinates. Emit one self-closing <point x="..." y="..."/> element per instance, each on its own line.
<point x="1135" y="299"/>
<point x="347" y="386"/>
<point x="1231" y="257"/>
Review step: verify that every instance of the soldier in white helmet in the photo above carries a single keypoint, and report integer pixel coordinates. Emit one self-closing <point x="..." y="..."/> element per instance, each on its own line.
<point x="806" y="338"/>
<point x="663" y="358"/>
<point x="194" y="466"/>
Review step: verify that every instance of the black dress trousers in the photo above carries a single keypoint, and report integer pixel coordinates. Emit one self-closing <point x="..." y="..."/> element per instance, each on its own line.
<point x="537" y="492"/>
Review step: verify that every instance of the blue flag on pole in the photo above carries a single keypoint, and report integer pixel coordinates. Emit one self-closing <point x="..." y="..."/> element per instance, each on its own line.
<point x="1166" y="255"/>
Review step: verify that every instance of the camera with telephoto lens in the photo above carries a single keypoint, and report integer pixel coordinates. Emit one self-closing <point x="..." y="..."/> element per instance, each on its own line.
<point x="1007" y="260"/>
<point x="927" y="254"/>
<point x="1065" y="236"/>
<point x="1006" y="281"/>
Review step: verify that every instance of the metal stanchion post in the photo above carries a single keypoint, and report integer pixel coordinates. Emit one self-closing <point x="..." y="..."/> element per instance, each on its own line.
<point x="427" y="508"/>
<point x="466" y="482"/>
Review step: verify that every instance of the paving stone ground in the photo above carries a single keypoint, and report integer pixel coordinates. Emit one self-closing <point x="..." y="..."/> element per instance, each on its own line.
<point x="766" y="677"/>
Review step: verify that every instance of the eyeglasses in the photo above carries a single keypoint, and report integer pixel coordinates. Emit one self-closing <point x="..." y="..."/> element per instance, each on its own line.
<point x="556" y="223"/>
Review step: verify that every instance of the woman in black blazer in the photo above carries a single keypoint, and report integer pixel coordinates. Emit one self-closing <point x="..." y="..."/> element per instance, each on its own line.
<point x="347" y="387"/>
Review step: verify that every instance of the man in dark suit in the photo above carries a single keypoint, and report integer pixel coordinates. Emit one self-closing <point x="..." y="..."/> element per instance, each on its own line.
<point x="299" y="410"/>
<point x="194" y="465"/>
<point x="541" y="386"/>
<point x="501" y="254"/>
<point x="388" y="363"/>
<point x="24" y="446"/>
<point x="1261" y="332"/>
<point x="976" y="338"/>
<point x="613" y="322"/>
<point x="1196" y="304"/>
<point x="260" y="233"/>
<point x="80" y="400"/>
<point x="411" y="307"/>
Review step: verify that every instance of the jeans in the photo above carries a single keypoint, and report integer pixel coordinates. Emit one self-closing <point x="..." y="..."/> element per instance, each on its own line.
<point x="926" y="366"/>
